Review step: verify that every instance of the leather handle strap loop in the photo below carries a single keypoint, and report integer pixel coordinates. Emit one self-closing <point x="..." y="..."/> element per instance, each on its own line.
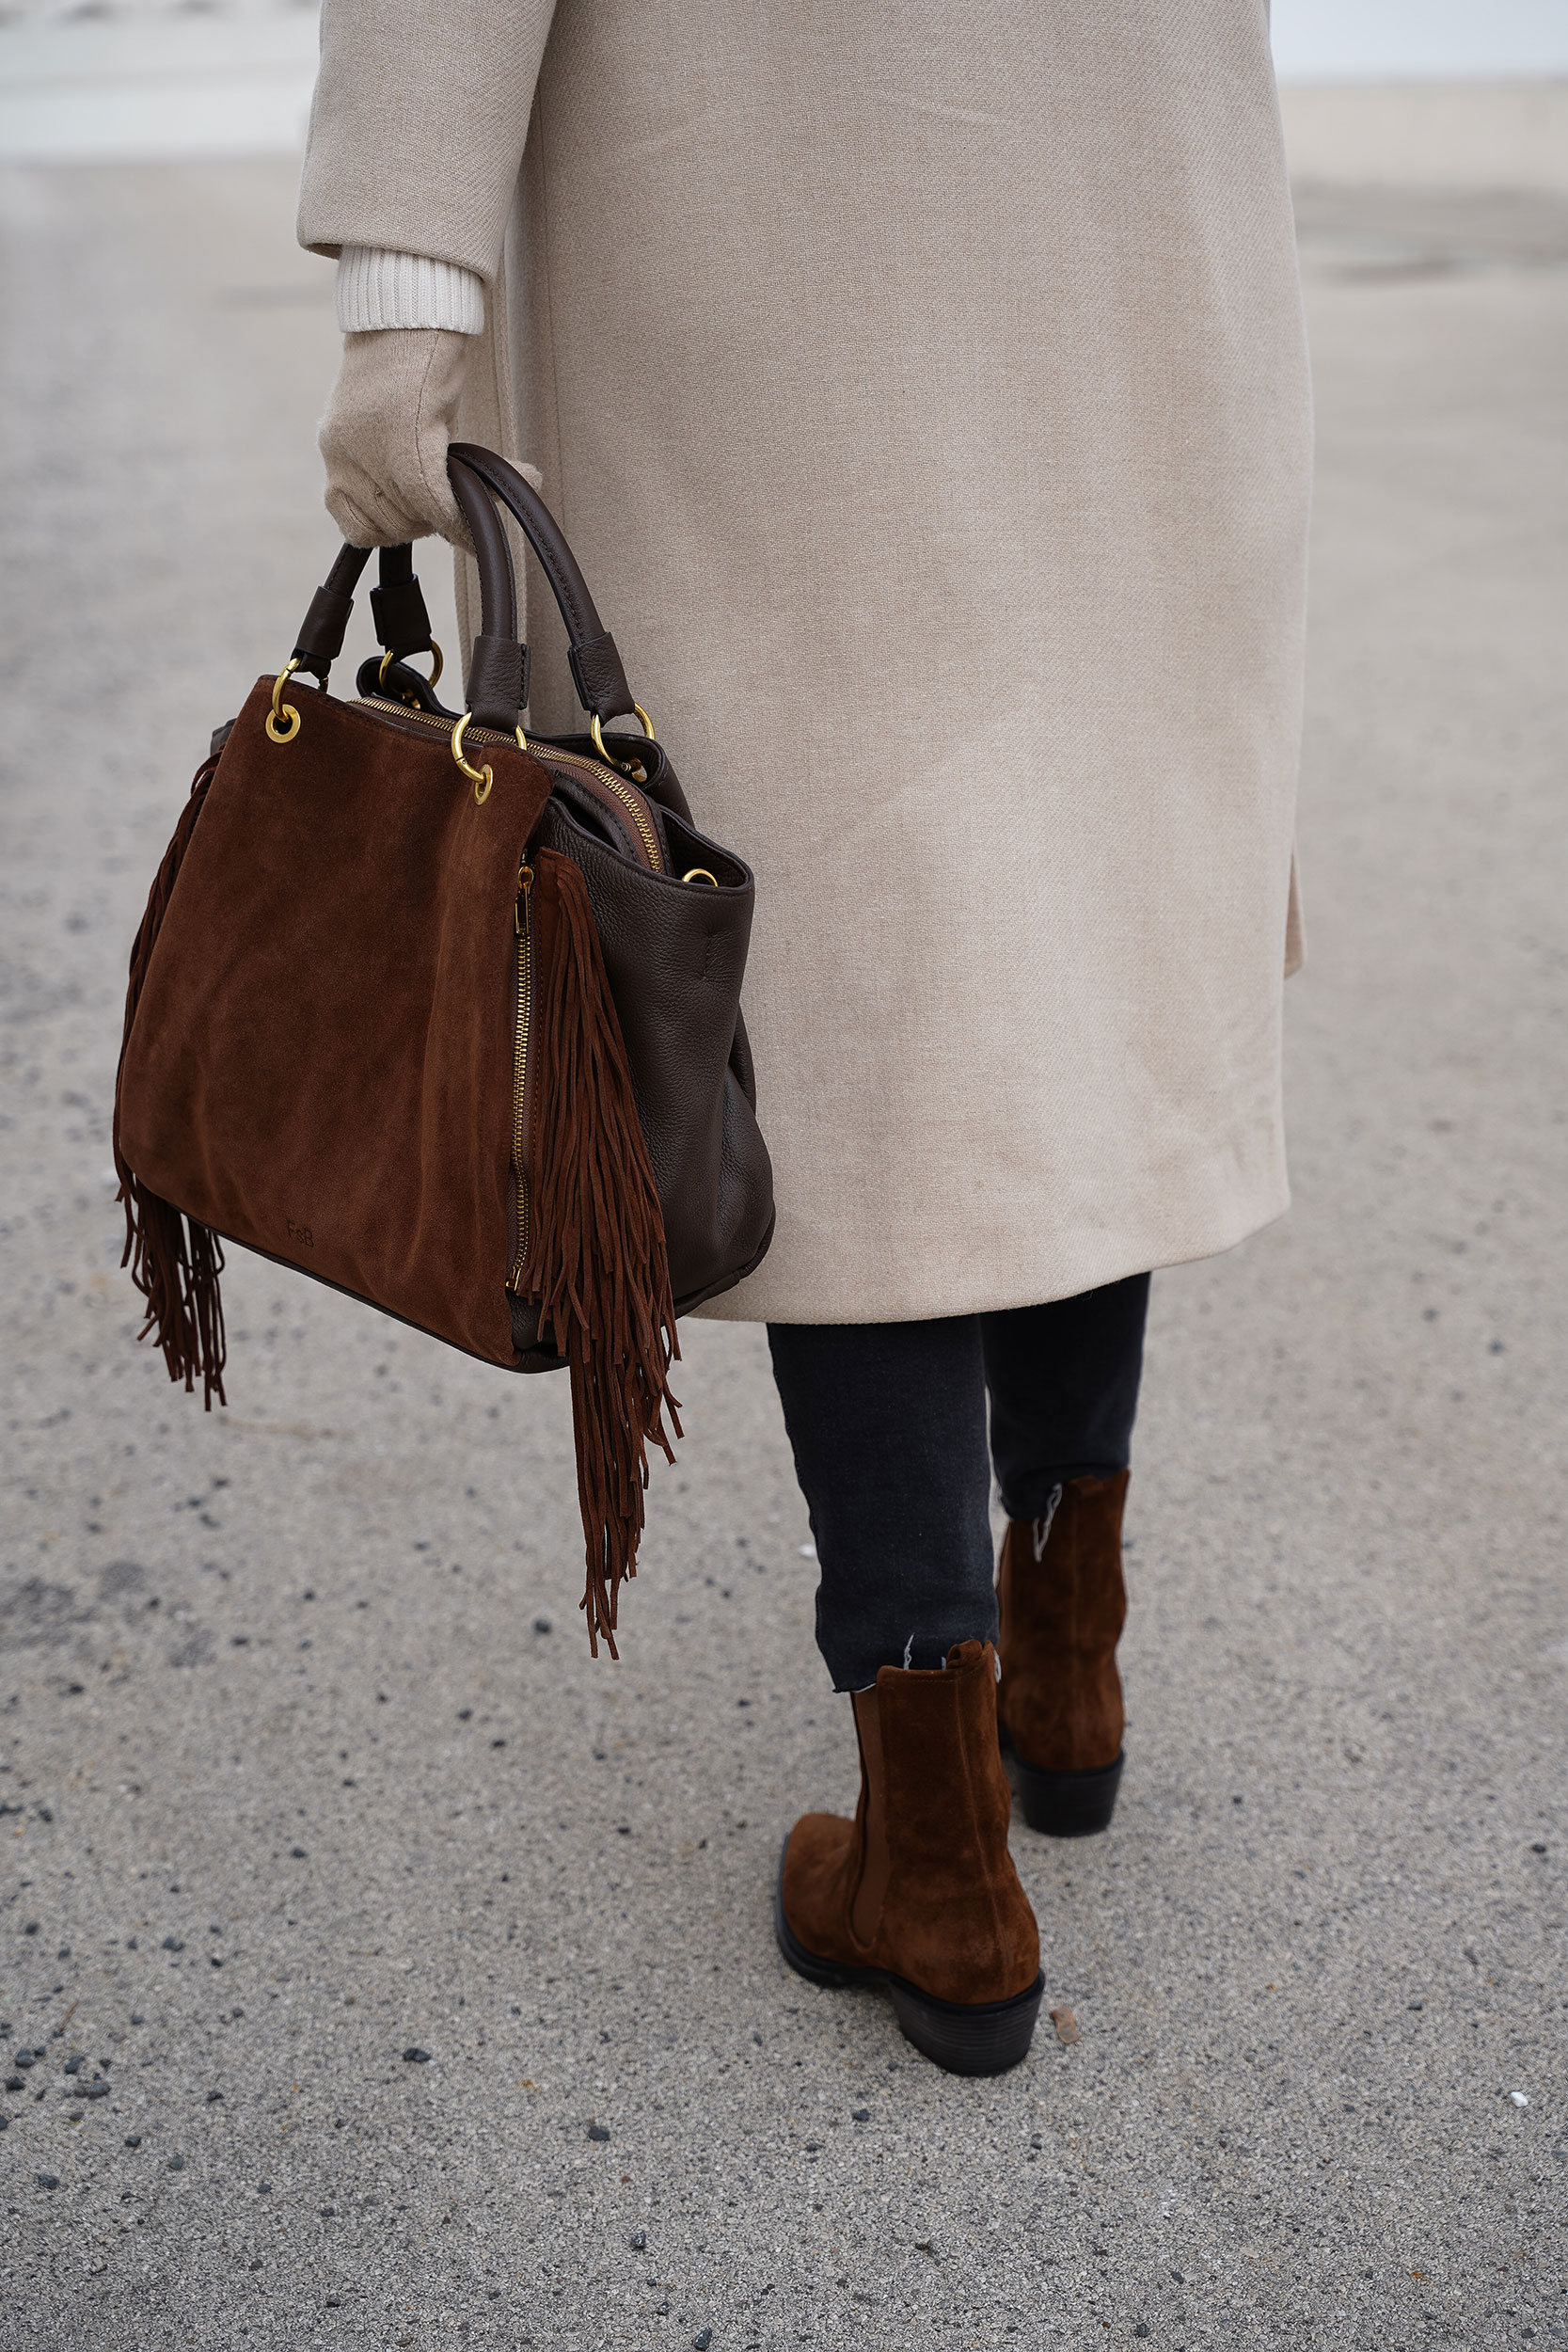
<point x="325" y="624"/>
<point x="596" y="667"/>
<point x="498" y="682"/>
<point x="398" y="606"/>
<point x="401" y="622"/>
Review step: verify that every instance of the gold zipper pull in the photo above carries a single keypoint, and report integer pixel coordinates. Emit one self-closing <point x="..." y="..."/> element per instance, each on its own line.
<point x="525" y="884"/>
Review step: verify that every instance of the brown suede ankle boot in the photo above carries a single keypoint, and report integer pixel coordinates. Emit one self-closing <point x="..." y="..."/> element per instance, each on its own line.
<point x="918" y="1893"/>
<point x="1062" y="1605"/>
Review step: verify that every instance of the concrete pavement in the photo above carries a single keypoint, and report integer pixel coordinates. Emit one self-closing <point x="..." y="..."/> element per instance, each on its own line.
<point x="305" y="1766"/>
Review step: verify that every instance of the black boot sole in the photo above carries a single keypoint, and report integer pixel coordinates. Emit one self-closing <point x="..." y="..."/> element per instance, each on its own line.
<point x="1063" y="1805"/>
<point x="965" y="2037"/>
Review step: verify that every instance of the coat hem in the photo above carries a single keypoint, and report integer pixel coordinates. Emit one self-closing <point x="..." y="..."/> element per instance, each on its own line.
<point x="1034" y="1284"/>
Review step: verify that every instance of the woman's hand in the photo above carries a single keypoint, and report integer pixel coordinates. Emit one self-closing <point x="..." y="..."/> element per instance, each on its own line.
<point x="384" y="437"/>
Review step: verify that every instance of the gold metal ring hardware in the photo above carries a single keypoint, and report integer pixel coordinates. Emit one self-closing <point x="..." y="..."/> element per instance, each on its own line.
<point x="700" y="873"/>
<point x="431" y="681"/>
<point x="597" y="731"/>
<point x="481" y="778"/>
<point x="280" y="710"/>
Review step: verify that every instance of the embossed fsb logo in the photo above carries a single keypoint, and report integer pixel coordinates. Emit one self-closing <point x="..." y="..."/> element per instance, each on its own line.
<point x="301" y="1236"/>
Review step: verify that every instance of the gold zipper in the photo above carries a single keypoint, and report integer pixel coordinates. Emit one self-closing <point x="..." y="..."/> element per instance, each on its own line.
<point x="630" y="801"/>
<point x="551" y="757"/>
<point x="522" y="915"/>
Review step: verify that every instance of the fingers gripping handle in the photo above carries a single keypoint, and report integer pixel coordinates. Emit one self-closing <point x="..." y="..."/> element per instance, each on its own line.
<point x="480" y="479"/>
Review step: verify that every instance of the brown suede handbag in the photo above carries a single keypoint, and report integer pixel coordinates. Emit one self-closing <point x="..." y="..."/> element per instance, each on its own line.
<point x="449" y="1017"/>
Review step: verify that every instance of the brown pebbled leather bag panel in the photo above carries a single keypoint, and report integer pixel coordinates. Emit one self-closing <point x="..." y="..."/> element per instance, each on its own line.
<point x="326" y="1072"/>
<point x="674" y="955"/>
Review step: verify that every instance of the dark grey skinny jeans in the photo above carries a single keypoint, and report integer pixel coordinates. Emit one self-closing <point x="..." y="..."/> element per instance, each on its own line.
<point x="888" y="1425"/>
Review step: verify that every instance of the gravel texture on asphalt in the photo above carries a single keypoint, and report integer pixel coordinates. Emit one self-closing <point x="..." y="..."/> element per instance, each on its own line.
<point x="373" y="1968"/>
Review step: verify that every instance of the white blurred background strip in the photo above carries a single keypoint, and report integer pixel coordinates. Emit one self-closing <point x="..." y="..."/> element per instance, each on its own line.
<point x="1373" y="85"/>
<point x="146" y="84"/>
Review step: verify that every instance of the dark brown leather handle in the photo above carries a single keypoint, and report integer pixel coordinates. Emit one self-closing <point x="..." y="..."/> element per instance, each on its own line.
<point x="497" y="667"/>
<point x="398" y="606"/>
<point x="479" y="479"/>
<point x="401" y="622"/>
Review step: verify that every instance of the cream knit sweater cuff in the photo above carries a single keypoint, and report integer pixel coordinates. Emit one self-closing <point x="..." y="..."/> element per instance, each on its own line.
<point x="377" y="290"/>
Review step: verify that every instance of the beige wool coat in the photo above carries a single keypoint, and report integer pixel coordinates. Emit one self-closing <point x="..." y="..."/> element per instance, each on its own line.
<point x="922" y="385"/>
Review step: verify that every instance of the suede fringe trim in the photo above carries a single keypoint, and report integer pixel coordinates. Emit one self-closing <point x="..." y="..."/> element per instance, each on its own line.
<point x="174" y="1261"/>
<point x="599" y="1270"/>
